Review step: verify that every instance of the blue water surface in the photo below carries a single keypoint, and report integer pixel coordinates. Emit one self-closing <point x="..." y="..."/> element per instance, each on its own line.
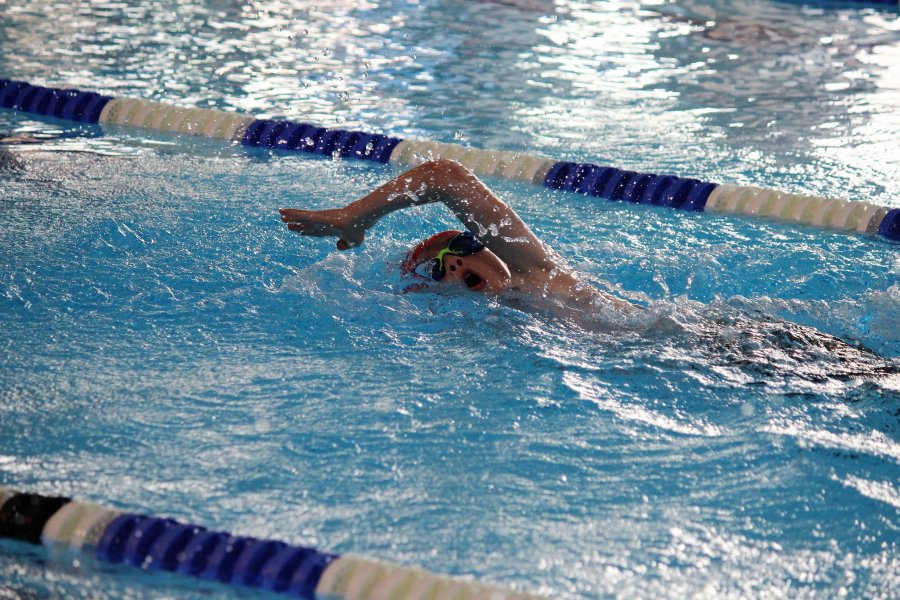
<point x="167" y="347"/>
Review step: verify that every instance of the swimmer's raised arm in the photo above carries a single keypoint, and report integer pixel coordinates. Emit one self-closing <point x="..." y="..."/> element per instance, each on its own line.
<point x="518" y="261"/>
<point x="495" y="224"/>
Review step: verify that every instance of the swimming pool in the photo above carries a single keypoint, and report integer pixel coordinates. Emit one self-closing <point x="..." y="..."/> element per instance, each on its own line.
<point x="169" y="348"/>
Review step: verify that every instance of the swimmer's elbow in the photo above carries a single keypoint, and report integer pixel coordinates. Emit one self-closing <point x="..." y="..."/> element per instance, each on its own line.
<point x="446" y="170"/>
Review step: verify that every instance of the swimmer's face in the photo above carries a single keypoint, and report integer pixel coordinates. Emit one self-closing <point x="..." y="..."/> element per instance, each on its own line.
<point x="479" y="272"/>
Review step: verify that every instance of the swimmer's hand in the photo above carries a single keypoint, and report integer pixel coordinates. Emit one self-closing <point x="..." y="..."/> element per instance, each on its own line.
<point x="338" y="222"/>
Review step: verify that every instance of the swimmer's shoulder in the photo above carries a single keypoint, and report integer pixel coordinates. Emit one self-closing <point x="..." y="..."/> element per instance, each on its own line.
<point x="563" y="287"/>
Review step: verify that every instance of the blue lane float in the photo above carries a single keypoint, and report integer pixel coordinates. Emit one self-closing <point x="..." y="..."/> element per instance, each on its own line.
<point x="303" y="137"/>
<point x="167" y="545"/>
<point x="160" y="544"/>
<point x="629" y="186"/>
<point x="598" y="181"/>
<point x="72" y="105"/>
<point x="890" y="225"/>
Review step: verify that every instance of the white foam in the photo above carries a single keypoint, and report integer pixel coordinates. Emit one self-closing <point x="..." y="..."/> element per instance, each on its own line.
<point x="636" y="412"/>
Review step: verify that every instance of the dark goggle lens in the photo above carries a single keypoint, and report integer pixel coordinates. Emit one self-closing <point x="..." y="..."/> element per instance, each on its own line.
<point x="464" y="244"/>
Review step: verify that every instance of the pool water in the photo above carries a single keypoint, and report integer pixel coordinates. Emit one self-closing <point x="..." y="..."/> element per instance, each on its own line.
<point x="167" y="347"/>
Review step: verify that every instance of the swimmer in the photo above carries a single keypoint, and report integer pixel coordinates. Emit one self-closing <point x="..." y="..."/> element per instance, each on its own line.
<point x="498" y="255"/>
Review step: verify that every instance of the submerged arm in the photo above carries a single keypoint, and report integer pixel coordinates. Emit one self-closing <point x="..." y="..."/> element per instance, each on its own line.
<point x="494" y="223"/>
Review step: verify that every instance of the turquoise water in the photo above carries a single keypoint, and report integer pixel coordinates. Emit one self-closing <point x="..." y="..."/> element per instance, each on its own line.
<point x="167" y="347"/>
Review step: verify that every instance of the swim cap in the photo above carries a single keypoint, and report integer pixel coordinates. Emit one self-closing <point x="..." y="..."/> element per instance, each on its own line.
<point x="435" y="248"/>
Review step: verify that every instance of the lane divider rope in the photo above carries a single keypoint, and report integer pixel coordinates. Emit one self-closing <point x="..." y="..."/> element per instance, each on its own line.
<point x="582" y="178"/>
<point x="63" y="525"/>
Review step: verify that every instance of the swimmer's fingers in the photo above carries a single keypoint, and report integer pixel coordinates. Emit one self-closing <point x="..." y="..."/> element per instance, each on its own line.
<point x="348" y="237"/>
<point x="312" y="222"/>
<point x="289" y="215"/>
<point x="315" y="222"/>
<point x="316" y="229"/>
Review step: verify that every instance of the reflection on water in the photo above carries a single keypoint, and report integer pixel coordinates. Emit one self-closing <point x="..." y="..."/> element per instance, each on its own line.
<point x="784" y="82"/>
<point x="765" y="92"/>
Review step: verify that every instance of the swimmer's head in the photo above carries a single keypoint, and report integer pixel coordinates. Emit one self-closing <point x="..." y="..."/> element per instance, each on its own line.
<point x="457" y="257"/>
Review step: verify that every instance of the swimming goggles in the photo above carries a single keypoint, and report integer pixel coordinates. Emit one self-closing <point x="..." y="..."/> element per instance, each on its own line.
<point x="462" y="244"/>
